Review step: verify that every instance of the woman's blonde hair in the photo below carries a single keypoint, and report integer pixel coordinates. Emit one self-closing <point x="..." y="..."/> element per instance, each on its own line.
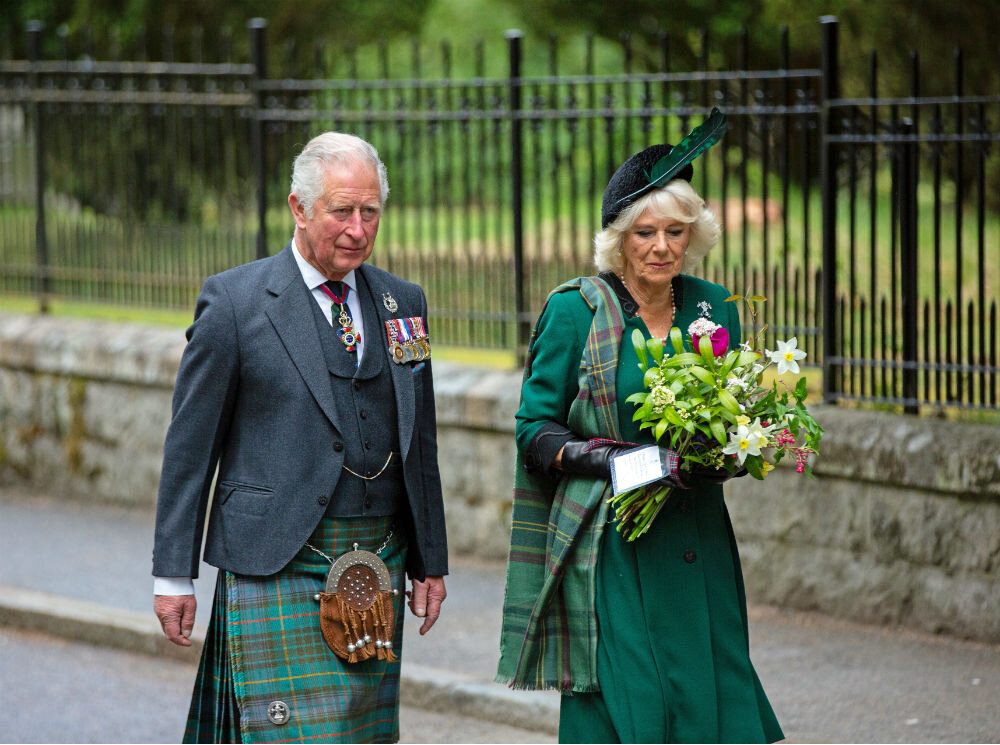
<point x="677" y="201"/>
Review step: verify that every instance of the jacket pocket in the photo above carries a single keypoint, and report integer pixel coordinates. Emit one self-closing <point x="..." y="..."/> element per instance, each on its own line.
<point x="248" y="499"/>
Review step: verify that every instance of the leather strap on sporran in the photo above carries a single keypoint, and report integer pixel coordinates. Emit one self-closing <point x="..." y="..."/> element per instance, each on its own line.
<point x="355" y="613"/>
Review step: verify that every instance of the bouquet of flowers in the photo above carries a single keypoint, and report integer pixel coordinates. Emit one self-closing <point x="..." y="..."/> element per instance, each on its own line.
<point x="710" y="407"/>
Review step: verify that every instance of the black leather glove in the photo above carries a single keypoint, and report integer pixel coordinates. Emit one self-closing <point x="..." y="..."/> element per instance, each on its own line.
<point x="709" y="475"/>
<point x="593" y="458"/>
<point x="585" y="458"/>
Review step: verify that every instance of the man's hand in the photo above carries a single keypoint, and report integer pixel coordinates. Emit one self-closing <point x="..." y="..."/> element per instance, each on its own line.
<point x="176" y="614"/>
<point x="425" y="600"/>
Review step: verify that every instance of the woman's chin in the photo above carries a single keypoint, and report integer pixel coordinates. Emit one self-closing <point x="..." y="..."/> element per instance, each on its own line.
<point x="659" y="276"/>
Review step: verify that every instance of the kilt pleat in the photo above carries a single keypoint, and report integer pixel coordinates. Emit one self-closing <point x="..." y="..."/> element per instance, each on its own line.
<point x="212" y="716"/>
<point x="264" y="645"/>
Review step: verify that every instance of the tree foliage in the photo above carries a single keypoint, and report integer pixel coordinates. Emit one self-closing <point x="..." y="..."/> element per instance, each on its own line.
<point x="137" y="29"/>
<point x="892" y="27"/>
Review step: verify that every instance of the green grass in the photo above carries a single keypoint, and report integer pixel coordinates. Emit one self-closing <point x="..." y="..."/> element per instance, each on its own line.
<point x="28" y="305"/>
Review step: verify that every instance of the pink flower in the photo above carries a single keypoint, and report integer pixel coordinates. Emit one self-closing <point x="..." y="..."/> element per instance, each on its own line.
<point x="785" y="438"/>
<point x="720" y="341"/>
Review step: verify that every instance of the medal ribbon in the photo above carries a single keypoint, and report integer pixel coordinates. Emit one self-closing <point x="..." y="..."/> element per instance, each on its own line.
<point x="347" y="333"/>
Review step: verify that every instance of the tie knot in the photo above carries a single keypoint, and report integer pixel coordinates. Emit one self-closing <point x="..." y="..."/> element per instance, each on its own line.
<point x="339" y="290"/>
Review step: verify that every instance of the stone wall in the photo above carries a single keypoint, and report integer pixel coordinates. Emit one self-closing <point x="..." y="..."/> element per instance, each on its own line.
<point x="900" y="525"/>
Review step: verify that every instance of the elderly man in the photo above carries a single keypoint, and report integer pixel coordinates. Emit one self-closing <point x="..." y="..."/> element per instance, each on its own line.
<point x="306" y="382"/>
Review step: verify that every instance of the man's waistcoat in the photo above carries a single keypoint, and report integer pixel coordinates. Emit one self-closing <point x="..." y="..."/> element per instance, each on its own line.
<point x="366" y="404"/>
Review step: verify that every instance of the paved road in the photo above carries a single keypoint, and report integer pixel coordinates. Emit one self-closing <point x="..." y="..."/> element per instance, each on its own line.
<point x="829" y="680"/>
<point x="59" y="691"/>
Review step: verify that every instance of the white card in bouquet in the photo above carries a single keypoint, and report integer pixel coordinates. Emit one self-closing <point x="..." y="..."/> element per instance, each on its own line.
<point x="635" y="468"/>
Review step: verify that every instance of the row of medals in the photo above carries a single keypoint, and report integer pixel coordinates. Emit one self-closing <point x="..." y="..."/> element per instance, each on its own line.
<point x="411" y="350"/>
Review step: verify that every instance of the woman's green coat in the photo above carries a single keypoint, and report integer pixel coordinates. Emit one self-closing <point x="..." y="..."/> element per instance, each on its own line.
<point x="673" y="649"/>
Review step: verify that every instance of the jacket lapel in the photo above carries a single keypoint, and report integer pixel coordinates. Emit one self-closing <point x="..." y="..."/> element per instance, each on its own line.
<point x="402" y="375"/>
<point x="289" y="312"/>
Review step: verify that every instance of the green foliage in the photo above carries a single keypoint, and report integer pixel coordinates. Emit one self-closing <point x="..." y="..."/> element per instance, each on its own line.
<point x="935" y="27"/>
<point x="644" y="21"/>
<point x="136" y="28"/>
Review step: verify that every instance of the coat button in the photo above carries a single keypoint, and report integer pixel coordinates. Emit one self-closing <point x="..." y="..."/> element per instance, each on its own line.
<point x="357" y="386"/>
<point x="338" y="446"/>
<point x="368" y="445"/>
<point x="323" y="500"/>
<point x="363" y="414"/>
<point x="690" y="556"/>
<point x="368" y="502"/>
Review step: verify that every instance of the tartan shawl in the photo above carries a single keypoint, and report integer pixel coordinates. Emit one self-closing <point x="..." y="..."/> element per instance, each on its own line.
<point x="549" y="634"/>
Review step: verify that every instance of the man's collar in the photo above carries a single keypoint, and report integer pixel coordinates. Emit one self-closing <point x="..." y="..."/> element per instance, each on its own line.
<point x="312" y="276"/>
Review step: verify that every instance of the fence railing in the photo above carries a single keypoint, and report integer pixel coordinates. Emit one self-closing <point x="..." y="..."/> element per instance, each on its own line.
<point x="875" y="240"/>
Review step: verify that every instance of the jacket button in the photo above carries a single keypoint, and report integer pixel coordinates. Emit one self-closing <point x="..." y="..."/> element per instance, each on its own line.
<point x="690" y="556"/>
<point x="368" y="445"/>
<point x="357" y="386"/>
<point x="323" y="500"/>
<point x="363" y="414"/>
<point x="368" y="503"/>
<point x="338" y="446"/>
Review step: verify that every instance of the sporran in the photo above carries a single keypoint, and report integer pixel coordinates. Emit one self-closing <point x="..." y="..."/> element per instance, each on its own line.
<point x="355" y="611"/>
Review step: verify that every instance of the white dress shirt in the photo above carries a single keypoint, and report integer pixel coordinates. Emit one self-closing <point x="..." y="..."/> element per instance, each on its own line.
<point x="314" y="280"/>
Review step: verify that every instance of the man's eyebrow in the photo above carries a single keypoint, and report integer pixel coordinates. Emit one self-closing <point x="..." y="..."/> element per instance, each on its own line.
<point x="337" y="204"/>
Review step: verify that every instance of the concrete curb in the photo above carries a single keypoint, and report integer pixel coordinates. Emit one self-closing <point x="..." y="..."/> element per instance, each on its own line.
<point x="440" y="690"/>
<point x="131" y="631"/>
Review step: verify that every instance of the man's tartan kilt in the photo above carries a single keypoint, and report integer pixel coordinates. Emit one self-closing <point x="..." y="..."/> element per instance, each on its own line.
<point x="264" y="644"/>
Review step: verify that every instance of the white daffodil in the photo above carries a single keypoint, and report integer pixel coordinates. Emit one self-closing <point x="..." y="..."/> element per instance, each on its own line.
<point x="742" y="443"/>
<point x="786" y="356"/>
<point x="761" y="433"/>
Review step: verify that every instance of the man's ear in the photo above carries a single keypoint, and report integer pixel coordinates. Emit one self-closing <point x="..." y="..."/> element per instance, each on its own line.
<point x="298" y="211"/>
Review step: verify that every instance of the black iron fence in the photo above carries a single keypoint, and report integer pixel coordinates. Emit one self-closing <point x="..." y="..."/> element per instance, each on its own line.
<point x="911" y="247"/>
<point x="875" y="243"/>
